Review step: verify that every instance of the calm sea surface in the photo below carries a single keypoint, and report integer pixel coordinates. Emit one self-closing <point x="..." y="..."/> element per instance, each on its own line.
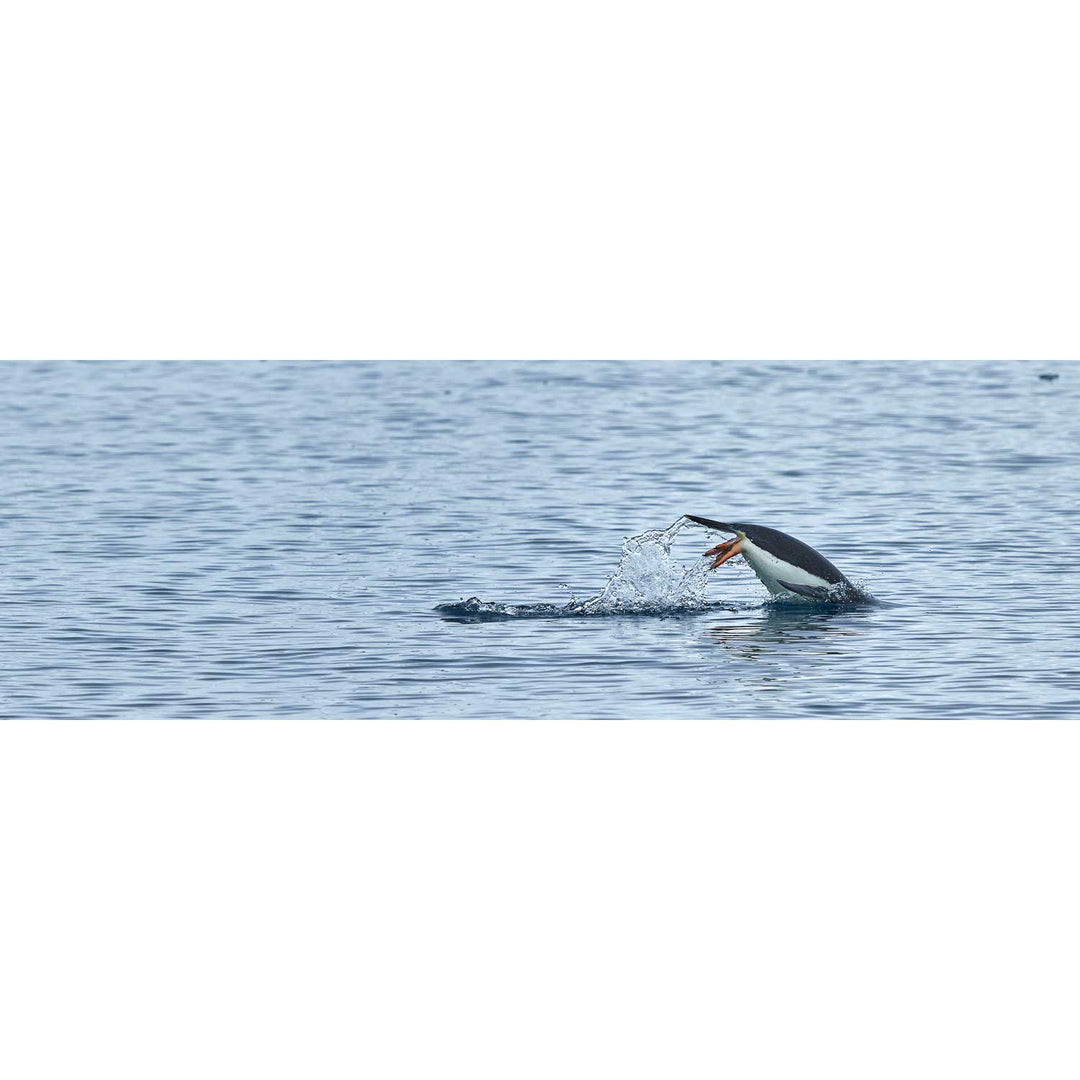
<point x="268" y="539"/>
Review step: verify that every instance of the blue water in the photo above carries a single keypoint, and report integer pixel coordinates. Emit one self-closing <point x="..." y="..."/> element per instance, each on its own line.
<point x="267" y="539"/>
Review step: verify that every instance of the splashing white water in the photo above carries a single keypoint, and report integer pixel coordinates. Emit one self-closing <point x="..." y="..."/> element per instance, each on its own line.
<point x="647" y="581"/>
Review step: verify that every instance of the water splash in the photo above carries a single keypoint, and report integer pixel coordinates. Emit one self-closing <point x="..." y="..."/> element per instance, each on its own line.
<point x="648" y="578"/>
<point x="647" y="581"/>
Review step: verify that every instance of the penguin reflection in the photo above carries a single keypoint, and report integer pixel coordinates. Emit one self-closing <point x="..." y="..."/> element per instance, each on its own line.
<point x="783" y="630"/>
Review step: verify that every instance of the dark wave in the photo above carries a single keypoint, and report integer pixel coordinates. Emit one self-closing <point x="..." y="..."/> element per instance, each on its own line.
<point x="476" y="610"/>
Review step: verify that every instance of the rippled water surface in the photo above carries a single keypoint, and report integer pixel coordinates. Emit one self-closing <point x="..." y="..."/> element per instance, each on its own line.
<point x="454" y="539"/>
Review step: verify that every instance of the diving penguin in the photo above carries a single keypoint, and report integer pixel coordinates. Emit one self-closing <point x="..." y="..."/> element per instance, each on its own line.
<point x="786" y="566"/>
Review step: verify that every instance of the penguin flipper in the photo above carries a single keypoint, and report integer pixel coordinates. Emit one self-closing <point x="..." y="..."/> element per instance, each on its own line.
<point x="811" y="592"/>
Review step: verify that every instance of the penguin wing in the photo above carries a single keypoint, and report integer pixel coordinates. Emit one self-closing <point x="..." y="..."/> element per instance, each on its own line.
<point x="811" y="592"/>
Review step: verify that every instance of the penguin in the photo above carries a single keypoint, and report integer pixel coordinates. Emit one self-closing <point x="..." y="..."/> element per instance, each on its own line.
<point x="786" y="566"/>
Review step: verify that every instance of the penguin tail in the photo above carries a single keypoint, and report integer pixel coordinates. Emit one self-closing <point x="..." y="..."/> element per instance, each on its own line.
<point x="710" y="524"/>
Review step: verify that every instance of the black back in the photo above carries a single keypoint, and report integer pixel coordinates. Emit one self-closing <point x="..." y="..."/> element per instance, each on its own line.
<point x="782" y="546"/>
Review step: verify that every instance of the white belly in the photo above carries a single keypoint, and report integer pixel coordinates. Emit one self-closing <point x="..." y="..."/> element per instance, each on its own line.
<point x="771" y="569"/>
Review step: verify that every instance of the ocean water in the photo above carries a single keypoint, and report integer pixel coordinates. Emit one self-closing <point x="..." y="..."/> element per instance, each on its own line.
<point x="486" y="539"/>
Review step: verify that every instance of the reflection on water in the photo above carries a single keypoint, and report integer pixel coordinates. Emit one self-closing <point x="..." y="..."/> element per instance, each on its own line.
<point x="783" y="625"/>
<point x="781" y="646"/>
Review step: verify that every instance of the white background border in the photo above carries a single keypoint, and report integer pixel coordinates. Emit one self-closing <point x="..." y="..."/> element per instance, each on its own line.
<point x="533" y="900"/>
<point x="582" y="179"/>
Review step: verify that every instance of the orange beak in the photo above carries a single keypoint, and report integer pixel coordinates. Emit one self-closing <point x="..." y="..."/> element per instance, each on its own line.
<point x="726" y="551"/>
